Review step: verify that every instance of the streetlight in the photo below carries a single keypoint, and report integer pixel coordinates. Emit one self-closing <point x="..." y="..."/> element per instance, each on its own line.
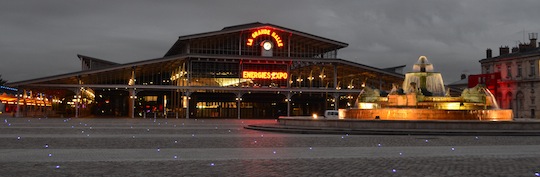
<point x="310" y="78"/>
<point x="351" y="86"/>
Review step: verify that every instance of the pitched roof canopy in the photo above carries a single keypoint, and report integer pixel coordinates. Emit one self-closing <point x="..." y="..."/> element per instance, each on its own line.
<point x="238" y="30"/>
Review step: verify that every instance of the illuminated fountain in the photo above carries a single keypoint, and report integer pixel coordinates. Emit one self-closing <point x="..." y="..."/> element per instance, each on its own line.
<point x="424" y="97"/>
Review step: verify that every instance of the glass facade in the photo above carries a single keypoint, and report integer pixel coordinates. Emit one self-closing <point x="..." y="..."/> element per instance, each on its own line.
<point x="222" y="74"/>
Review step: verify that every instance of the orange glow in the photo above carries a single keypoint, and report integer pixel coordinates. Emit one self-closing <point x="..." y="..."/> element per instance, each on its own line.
<point x="269" y="32"/>
<point x="264" y="75"/>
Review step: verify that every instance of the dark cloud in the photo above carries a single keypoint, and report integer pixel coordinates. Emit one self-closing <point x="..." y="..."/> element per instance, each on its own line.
<point x="42" y="38"/>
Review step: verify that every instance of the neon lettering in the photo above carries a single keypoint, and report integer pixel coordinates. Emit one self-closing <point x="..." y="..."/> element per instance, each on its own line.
<point x="268" y="32"/>
<point x="264" y="75"/>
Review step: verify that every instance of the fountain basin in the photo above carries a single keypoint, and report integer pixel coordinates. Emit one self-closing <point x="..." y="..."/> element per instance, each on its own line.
<point x="426" y="114"/>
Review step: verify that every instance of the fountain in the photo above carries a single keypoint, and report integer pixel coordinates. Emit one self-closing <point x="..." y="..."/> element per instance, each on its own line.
<point x="424" y="97"/>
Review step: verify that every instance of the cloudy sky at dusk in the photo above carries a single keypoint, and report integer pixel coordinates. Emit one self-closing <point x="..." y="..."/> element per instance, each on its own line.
<point x="42" y="38"/>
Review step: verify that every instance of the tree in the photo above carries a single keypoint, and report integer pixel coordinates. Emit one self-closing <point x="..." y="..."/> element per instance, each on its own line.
<point x="2" y="81"/>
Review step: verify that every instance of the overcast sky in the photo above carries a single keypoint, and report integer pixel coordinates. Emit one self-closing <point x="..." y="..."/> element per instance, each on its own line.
<point x="42" y="38"/>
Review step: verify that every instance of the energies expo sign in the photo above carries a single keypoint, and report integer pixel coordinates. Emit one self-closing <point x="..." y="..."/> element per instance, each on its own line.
<point x="264" y="75"/>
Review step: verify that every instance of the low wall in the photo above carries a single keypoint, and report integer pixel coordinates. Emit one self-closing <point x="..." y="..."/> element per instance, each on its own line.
<point x="428" y="114"/>
<point x="405" y="124"/>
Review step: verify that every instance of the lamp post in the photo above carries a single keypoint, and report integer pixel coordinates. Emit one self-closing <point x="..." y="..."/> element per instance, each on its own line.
<point x="322" y="76"/>
<point x="299" y="80"/>
<point x="310" y="78"/>
<point x="351" y="86"/>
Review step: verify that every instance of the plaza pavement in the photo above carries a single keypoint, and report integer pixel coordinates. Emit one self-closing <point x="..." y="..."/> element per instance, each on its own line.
<point x="213" y="147"/>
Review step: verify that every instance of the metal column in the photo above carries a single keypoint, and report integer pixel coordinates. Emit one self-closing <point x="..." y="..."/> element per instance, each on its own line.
<point x="131" y="105"/>
<point x="77" y="98"/>
<point x="289" y="95"/>
<point x="238" y="104"/>
<point x="187" y="104"/>
<point x="17" y="113"/>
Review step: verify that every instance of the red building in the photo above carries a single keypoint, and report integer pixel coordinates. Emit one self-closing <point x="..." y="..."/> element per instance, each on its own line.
<point x="513" y="77"/>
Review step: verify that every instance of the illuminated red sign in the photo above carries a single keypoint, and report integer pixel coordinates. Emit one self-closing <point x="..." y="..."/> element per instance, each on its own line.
<point x="269" y="32"/>
<point x="264" y="75"/>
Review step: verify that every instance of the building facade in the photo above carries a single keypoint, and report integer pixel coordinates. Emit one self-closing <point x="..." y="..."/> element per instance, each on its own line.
<point x="514" y="77"/>
<point x="254" y="70"/>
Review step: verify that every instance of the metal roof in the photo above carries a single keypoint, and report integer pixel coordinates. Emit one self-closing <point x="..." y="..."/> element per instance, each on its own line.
<point x="296" y="35"/>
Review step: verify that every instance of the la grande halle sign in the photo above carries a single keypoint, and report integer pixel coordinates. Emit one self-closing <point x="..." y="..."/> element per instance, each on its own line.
<point x="268" y="32"/>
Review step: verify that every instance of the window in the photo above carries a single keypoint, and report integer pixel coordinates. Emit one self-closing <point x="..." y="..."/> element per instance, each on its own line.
<point x="150" y="98"/>
<point x="519" y="70"/>
<point x="532" y="70"/>
<point x="533" y="113"/>
<point x="508" y="70"/>
<point x="520" y="101"/>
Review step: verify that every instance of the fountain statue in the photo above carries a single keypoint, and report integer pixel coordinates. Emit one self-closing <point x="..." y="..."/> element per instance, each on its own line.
<point x="424" y="97"/>
<point x="427" y="82"/>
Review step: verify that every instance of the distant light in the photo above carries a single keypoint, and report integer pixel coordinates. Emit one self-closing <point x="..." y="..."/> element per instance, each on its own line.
<point x="50" y="155"/>
<point x="58" y="166"/>
<point x="453" y="149"/>
<point x="212" y="164"/>
<point x="394" y="170"/>
<point x="315" y="116"/>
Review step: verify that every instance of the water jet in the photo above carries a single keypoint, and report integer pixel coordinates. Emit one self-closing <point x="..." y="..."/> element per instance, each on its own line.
<point x="423" y="96"/>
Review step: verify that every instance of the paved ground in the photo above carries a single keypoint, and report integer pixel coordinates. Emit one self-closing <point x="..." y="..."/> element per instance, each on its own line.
<point x="203" y="147"/>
